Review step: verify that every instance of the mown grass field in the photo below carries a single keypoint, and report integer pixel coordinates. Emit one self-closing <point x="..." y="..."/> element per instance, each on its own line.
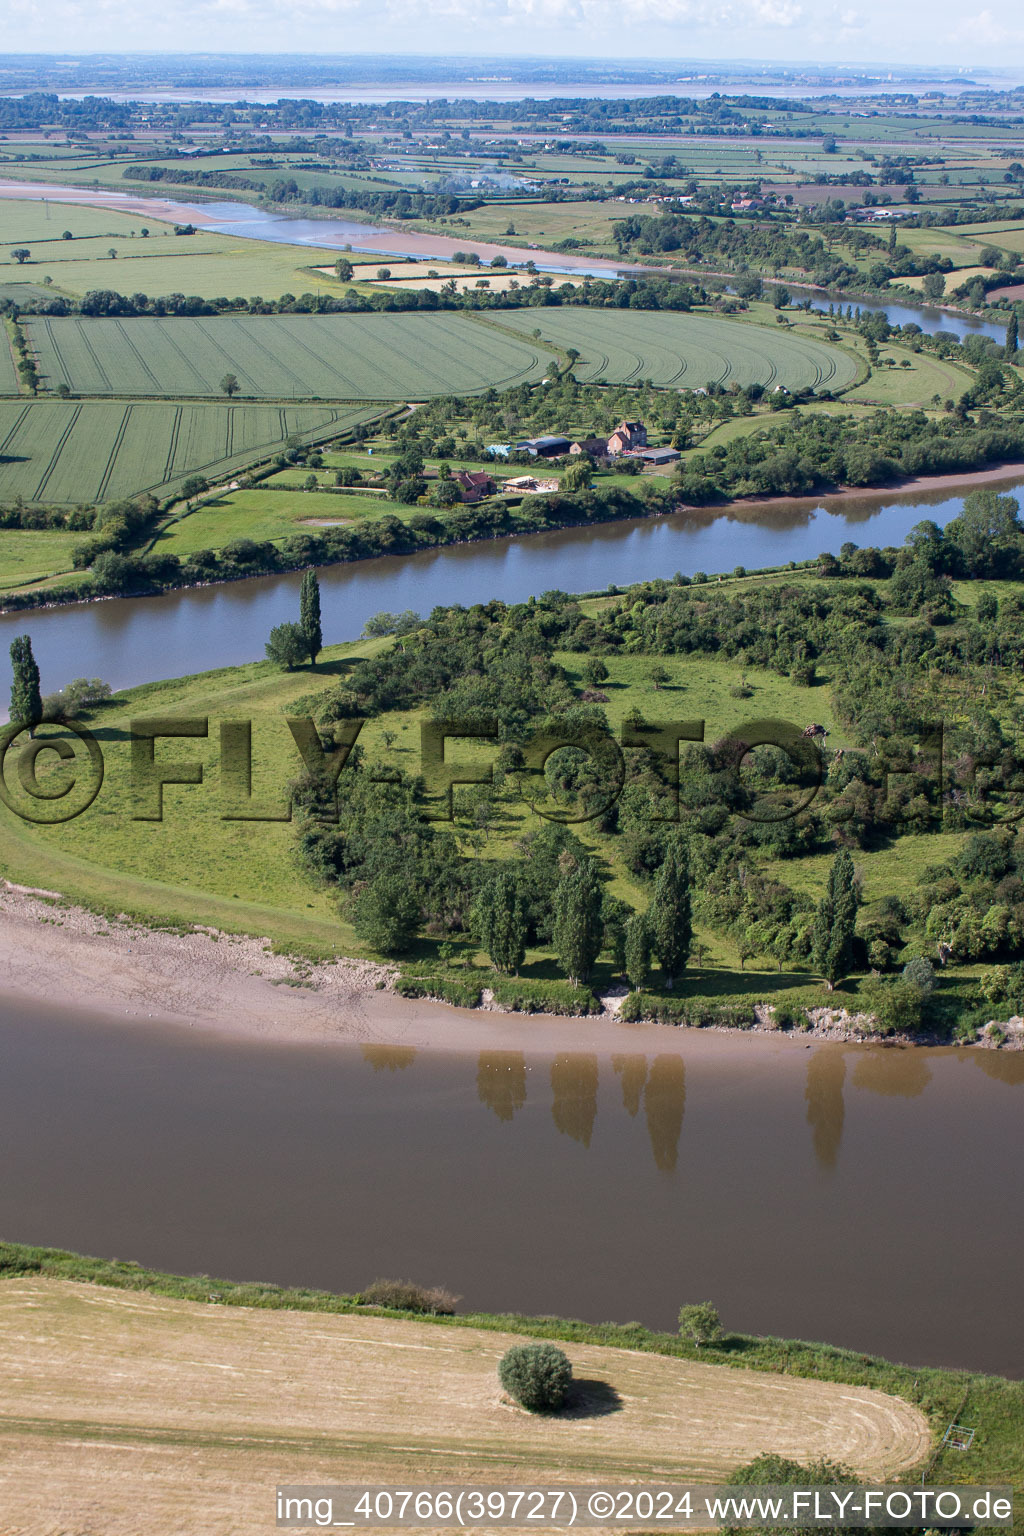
<point x="687" y="351"/>
<point x="206" y="263"/>
<point x="40" y="223"/>
<point x="65" y="453"/>
<point x="915" y="384"/>
<point x="115" y="1401"/>
<point x="27" y="555"/>
<point x="334" y="357"/>
<point x="267" y="514"/>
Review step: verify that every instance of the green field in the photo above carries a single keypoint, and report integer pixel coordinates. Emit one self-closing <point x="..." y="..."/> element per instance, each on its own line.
<point x="267" y="514"/>
<point x="65" y="453"/>
<point x="8" y="376"/>
<point x="684" y="350"/>
<point x="416" y="356"/>
<point x="342" y="357"/>
<point x="29" y="554"/>
<point x="206" y="263"/>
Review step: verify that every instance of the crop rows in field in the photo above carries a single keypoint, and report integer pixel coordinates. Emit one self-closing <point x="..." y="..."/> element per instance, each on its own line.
<point x="280" y="357"/>
<point x="68" y="452"/>
<point x="685" y="351"/>
<point x="415" y="356"/>
<point x="8" y="375"/>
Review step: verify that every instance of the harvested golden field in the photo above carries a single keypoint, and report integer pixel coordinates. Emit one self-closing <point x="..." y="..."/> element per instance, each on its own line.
<point x="124" y="1412"/>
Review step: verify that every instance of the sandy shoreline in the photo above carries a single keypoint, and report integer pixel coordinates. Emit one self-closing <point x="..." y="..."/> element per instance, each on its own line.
<point x="57" y="955"/>
<point x="65" y="957"/>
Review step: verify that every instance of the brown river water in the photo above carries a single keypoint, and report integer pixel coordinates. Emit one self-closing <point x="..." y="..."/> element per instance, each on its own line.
<point x="866" y="1196"/>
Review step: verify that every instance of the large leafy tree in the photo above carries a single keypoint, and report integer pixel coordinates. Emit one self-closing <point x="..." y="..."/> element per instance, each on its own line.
<point x="26" y="699"/>
<point x="578" y="927"/>
<point x="287" y="646"/>
<point x="670" y="916"/>
<point x="501" y="921"/>
<point x="386" y="915"/>
<point x="309" y="615"/>
<point x="835" y="922"/>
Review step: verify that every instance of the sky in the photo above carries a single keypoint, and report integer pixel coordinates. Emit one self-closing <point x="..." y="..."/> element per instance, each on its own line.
<point x="954" y="34"/>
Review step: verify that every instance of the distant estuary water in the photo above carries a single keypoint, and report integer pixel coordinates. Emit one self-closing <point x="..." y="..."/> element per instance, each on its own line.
<point x="864" y="1196"/>
<point x="129" y="641"/>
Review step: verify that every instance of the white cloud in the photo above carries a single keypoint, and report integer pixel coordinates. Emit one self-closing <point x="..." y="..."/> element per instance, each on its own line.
<point x="917" y="31"/>
<point x="985" y="31"/>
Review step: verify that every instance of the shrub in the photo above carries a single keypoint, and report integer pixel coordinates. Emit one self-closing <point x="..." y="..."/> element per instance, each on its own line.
<point x="536" y="1375"/>
<point x="701" y="1323"/>
<point x="405" y="1296"/>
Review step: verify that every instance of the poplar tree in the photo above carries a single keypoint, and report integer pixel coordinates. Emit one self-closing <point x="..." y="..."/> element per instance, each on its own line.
<point x="638" y="951"/>
<point x="501" y="922"/>
<point x="835" y="922"/>
<point x="578" y="929"/>
<point x="26" y="699"/>
<point x="309" y="615"/>
<point x="1012" y="337"/>
<point x="669" y="914"/>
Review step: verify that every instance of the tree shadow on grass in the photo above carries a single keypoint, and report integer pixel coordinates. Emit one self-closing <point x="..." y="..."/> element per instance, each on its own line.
<point x="589" y="1399"/>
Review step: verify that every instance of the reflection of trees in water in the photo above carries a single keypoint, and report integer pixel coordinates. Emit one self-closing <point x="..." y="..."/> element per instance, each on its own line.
<point x="633" y="1072"/>
<point x="1004" y="1066"/>
<point x="826" y="1073"/>
<point x="501" y="1081"/>
<point x="390" y="1058"/>
<point x="664" y="1107"/>
<point x="901" y="1074"/>
<point x="574" y="1085"/>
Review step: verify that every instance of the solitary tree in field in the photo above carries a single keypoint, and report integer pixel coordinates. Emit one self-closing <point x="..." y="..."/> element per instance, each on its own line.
<point x="578" y="927"/>
<point x="1012" y="338"/>
<point x="309" y="615"/>
<point x="701" y="1323"/>
<point x="21" y="254"/>
<point x="26" y="699"/>
<point x="343" y="269"/>
<point x="669" y="915"/>
<point x="287" y="646"/>
<point x="501" y="922"/>
<point x="193" y="486"/>
<point x="112" y="253"/>
<point x="229" y="385"/>
<point x="835" y="921"/>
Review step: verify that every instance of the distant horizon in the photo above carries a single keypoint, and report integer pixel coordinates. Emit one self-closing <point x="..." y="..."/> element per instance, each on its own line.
<point x="847" y="35"/>
<point x="452" y="60"/>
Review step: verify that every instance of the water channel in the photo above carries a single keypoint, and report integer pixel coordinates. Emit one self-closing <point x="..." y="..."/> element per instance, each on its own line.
<point x="860" y="1195"/>
<point x="133" y="640"/>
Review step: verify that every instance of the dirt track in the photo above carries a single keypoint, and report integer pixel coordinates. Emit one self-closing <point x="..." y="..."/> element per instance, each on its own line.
<point x="122" y="1413"/>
